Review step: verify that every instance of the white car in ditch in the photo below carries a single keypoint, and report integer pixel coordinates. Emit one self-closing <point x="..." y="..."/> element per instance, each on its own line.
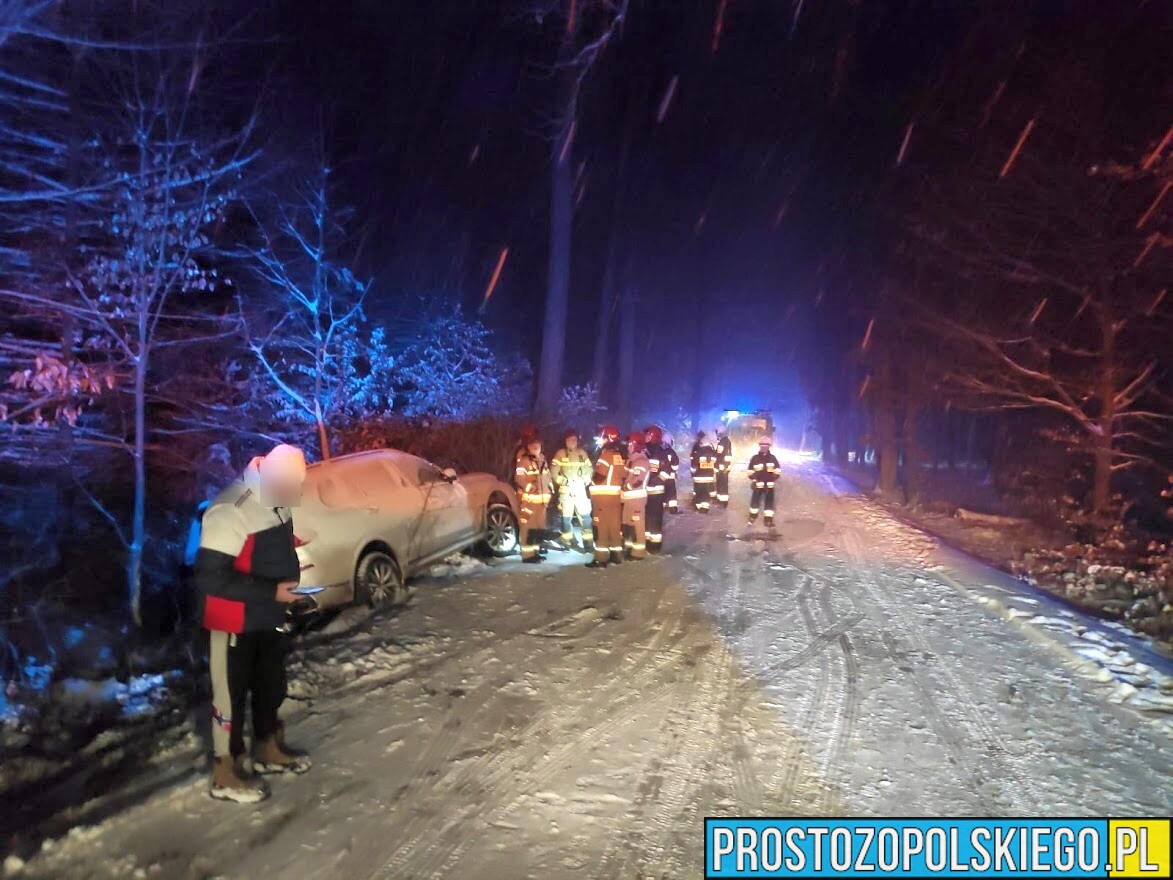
<point x="370" y="520"/>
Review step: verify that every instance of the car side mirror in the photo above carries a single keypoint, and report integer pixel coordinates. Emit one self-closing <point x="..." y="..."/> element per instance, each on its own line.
<point x="450" y="475"/>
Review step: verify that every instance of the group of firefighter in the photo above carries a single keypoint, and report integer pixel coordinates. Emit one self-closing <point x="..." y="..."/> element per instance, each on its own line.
<point x="620" y="498"/>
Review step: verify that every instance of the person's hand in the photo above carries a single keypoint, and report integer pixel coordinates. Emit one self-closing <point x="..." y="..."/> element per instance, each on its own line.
<point x="285" y="591"/>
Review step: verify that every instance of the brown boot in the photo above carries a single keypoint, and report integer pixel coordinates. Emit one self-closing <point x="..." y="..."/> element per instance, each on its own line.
<point x="270" y="756"/>
<point x="230" y="784"/>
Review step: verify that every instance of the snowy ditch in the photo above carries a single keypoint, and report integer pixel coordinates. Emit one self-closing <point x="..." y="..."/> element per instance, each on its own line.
<point x="1101" y="651"/>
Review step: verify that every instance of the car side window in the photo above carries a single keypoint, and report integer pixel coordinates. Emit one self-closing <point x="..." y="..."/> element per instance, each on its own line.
<point x="431" y="474"/>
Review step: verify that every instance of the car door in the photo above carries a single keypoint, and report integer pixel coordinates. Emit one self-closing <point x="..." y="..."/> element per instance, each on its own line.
<point x="447" y="519"/>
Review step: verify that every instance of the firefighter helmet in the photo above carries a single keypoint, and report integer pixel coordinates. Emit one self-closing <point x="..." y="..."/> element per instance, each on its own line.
<point x="609" y="433"/>
<point x="635" y="441"/>
<point x="570" y="432"/>
<point x="654" y="434"/>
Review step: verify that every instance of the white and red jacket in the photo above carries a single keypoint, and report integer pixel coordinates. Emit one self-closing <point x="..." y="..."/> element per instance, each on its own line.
<point x="246" y="550"/>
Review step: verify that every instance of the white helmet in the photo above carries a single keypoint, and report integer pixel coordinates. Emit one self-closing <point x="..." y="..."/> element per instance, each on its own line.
<point x="667" y="439"/>
<point x="766" y="441"/>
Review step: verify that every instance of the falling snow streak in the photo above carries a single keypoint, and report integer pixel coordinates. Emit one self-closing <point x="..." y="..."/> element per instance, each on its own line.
<point x="1039" y="310"/>
<point x="1017" y="148"/>
<point x="867" y="336"/>
<point x="476" y="152"/>
<point x="781" y="213"/>
<point x="1149" y="244"/>
<point x="666" y="101"/>
<point x="496" y="276"/>
<point x="1153" y="207"/>
<point x="797" y="14"/>
<point x="904" y="143"/>
<point x="864" y="387"/>
<point x="1160" y="148"/>
<point x="1152" y="309"/>
<point x="990" y="104"/>
<point x="567" y="142"/>
<point x="719" y="25"/>
<point x="700" y="222"/>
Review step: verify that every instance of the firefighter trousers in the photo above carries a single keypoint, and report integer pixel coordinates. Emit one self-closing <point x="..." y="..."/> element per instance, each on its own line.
<point x="763" y="497"/>
<point x="670" y="501"/>
<point x="635" y="524"/>
<point x="702" y="491"/>
<point x="574" y="501"/>
<point x="533" y="519"/>
<point x="723" y="488"/>
<point x="246" y="668"/>
<point x="655" y="521"/>
<point x="607" y="515"/>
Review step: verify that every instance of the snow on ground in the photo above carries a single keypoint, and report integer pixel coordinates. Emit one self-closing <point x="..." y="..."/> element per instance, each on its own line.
<point x="551" y="722"/>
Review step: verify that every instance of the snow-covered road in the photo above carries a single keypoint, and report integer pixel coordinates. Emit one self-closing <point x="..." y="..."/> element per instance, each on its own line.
<point x="554" y="722"/>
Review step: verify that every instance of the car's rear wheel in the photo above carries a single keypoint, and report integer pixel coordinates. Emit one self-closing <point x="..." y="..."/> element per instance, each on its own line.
<point x="378" y="581"/>
<point x="501" y="530"/>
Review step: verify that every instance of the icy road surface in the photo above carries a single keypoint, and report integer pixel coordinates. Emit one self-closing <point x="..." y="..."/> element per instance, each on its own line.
<point x="553" y="722"/>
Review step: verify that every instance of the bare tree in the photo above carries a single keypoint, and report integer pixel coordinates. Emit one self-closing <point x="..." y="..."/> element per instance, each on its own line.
<point x="165" y="189"/>
<point x="588" y="26"/>
<point x="1058" y="301"/>
<point x="314" y="348"/>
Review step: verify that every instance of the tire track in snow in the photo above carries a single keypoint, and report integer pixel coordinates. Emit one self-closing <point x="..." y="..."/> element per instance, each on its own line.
<point x="1021" y="795"/>
<point x="501" y="777"/>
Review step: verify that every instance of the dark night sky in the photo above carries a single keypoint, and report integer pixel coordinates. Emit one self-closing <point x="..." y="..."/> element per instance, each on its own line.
<point x="808" y="116"/>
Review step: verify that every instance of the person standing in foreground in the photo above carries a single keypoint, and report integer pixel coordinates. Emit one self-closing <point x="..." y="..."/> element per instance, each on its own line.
<point x="704" y="463"/>
<point x="764" y="470"/>
<point x="724" y="465"/>
<point x="606" y="504"/>
<point x="534" y="486"/>
<point x="635" y="498"/>
<point x="572" y="469"/>
<point x="662" y="471"/>
<point x="669" y="468"/>
<point x="246" y="570"/>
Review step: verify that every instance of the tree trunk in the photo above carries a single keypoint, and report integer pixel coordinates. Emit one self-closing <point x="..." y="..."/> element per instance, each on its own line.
<point x="1102" y="477"/>
<point x="134" y="559"/>
<point x="912" y="458"/>
<point x="553" y="352"/>
<point x="608" y="293"/>
<point x="602" y="353"/>
<point x="627" y="323"/>
<point x="887" y="449"/>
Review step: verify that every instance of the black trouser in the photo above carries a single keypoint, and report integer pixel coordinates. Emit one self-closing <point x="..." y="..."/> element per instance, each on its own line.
<point x="248" y="667"/>
<point x="702" y="490"/>
<point x="723" y="488"/>
<point x="763" y="496"/>
<point x="670" y="494"/>
<point x="654" y="516"/>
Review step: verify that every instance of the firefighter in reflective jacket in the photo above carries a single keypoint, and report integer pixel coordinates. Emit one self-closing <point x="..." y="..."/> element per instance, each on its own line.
<point x="606" y="504"/>
<point x="669" y="468"/>
<point x="724" y="465"/>
<point x="662" y="469"/>
<point x="764" y="470"/>
<point x="572" y="470"/>
<point x="535" y="488"/>
<point x="635" y="498"/>
<point x="704" y="465"/>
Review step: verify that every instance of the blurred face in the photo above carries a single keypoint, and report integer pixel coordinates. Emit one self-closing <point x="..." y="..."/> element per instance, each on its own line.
<point x="280" y="489"/>
<point x="535" y="448"/>
<point x="764" y="448"/>
<point x="572" y="443"/>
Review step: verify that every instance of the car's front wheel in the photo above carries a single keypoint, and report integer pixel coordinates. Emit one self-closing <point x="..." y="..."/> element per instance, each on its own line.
<point x="378" y="581"/>
<point x="501" y="530"/>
